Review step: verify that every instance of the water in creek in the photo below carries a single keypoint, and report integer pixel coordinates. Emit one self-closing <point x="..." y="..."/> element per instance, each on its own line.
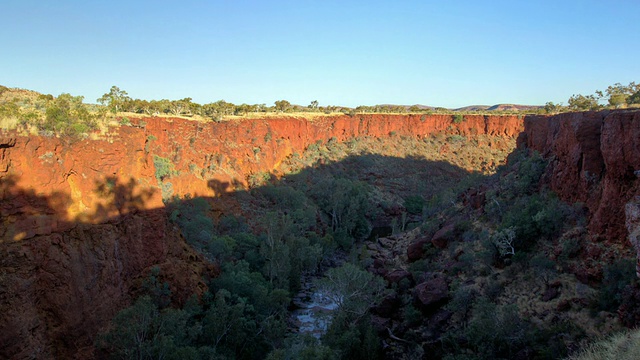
<point x="312" y="312"/>
<point x="312" y="309"/>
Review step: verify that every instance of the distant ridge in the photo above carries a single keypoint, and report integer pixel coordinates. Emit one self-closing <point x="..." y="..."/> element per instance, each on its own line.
<point x="7" y="94"/>
<point x="498" y="107"/>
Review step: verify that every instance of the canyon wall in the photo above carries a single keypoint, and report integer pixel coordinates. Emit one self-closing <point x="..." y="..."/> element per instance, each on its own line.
<point x="83" y="221"/>
<point x="594" y="159"/>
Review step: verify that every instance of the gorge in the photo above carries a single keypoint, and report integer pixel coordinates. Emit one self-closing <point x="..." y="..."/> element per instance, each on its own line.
<point x="85" y="220"/>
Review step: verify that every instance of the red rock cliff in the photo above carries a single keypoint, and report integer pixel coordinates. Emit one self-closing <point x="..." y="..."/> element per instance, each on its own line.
<point x="83" y="220"/>
<point x="595" y="159"/>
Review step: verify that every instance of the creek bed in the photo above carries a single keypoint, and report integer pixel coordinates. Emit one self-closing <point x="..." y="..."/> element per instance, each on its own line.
<point x="312" y="310"/>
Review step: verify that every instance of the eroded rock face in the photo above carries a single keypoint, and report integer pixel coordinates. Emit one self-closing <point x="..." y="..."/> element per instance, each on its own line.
<point x="594" y="157"/>
<point x="58" y="290"/>
<point x="82" y="221"/>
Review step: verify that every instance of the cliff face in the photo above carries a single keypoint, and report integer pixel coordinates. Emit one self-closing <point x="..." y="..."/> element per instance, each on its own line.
<point x="595" y="158"/>
<point x="83" y="220"/>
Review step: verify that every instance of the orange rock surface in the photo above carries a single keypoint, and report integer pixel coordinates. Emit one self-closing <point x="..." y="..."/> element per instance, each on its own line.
<point x="595" y="159"/>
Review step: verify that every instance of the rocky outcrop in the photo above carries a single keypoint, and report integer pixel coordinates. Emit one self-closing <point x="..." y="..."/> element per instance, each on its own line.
<point x="594" y="159"/>
<point x="58" y="290"/>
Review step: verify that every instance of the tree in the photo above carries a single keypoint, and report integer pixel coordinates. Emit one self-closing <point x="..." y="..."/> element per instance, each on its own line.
<point x="282" y="105"/>
<point x="345" y="203"/>
<point x="67" y="114"/>
<point x="177" y="107"/>
<point x="552" y="108"/>
<point x="141" y="331"/>
<point x="313" y="105"/>
<point x="581" y="102"/>
<point x="618" y="94"/>
<point x="496" y="331"/>
<point x="634" y="98"/>
<point x="114" y="99"/>
<point x="228" y="321"/>
<point x="354" y="290"/>
<point x="275" y="250"/>
<point x="504" y="241"/>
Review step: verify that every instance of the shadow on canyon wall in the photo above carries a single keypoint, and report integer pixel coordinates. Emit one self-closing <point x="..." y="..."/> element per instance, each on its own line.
<point x="65" y="271"/>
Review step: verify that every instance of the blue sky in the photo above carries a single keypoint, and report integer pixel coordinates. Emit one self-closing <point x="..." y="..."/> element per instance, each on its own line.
<point x="439" y="53"/>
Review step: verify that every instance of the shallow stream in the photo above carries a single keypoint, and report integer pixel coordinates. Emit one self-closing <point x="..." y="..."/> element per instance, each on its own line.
<point x="312" y="312"/>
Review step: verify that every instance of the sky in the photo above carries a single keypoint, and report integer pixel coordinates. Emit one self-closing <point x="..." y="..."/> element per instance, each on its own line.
<point x="439" y="53"/>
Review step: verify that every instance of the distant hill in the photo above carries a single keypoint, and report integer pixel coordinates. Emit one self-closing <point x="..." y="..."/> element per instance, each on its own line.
<point x="21" y="95"/>
<point x="498" y="107"/>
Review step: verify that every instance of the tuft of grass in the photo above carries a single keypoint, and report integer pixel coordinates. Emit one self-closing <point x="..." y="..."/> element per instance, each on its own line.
<point x="625" y="345"/>
<point x="8" y="123"/>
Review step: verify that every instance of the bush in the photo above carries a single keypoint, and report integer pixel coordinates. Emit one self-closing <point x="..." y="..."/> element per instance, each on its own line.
<point x="616" y="277"/>
<point x="303" y="348"/>
<point x="534" y="217"/>
<point x="164" y="168"/>
<point x="414" y="204"/>
<point x="191" y="215"/>
<point x="68" y="115"/>
<point x="259" y="179"/>
<point x="456" y="139"/>
<point x="496" y="331"/>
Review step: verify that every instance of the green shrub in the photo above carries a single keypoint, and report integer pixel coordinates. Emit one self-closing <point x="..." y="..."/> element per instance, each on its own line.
<point x="68" y="115"/>
<point x="164" y="167"/>
<point x="534" y="217"/>
<point x="456" y="139"/>
<point x="414" y="204"/>
<point x="616" y="277"/>
<point x="303" y="348"/>
<point x="496" y="331"/>
<point x="259" y="179"/>
<point x="191" y="215"/>
<point x="458" y="118"/>
<point x="220" y="247"/>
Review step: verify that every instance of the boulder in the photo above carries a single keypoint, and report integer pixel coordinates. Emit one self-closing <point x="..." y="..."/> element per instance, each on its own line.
<point x="431" y="293"/>
<point x="550" y="294"/>
<point x="443" y="236"/>
<point x="415" y="251"/>
<point x="397" y="275"/>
